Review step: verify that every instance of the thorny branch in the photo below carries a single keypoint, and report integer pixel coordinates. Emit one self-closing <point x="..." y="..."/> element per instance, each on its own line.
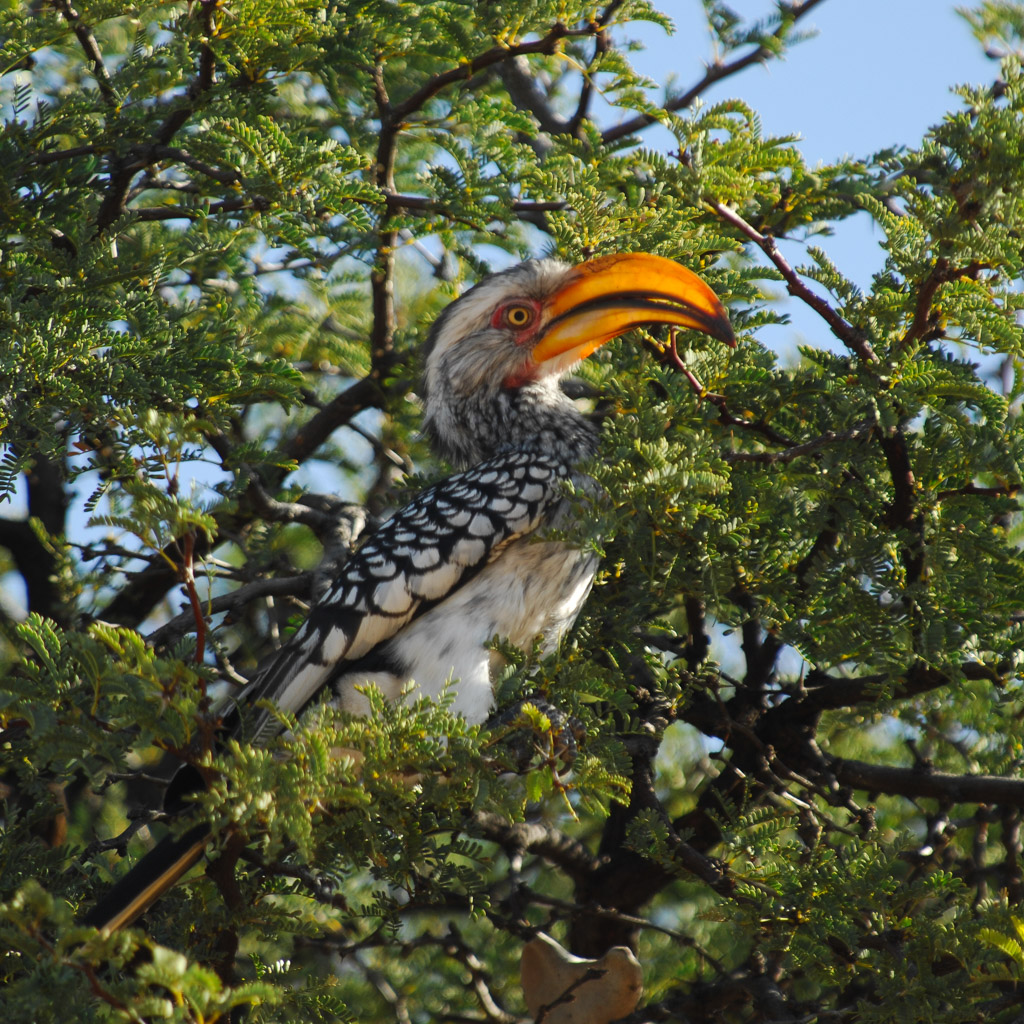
<point x="536" y="838"/>
<point x="850" y="336"/>
<point x="942" y="273"/>
<point x="189" y="580"/>
<point x="87" y="40"/>
<point x="124" y="169"/>
<point x="917" y="783"/>
<point x="292" y="586"/>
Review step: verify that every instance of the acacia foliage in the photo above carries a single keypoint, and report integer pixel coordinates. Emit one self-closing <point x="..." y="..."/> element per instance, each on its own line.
<point x="226" y="226"/>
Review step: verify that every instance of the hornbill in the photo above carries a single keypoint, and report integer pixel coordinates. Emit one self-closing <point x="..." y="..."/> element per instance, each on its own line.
<point x="420" y="602"/>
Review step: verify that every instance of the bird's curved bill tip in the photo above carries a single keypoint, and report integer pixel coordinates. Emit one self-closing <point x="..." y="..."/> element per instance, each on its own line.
<point x="607" y="296"/>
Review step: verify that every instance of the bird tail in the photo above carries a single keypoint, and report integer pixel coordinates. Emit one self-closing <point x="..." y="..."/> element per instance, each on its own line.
<point x="149" y="879"/>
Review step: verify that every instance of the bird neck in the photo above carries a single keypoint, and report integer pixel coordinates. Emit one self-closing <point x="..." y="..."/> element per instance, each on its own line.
<point x="536" y="417"/>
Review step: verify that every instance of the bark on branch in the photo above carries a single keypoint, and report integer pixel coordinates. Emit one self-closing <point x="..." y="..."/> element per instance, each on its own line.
<point x="917" y="783"/>
<point x="852" y="337"/>
<point x="90" y="47"/>
<point x="543" y="840"/>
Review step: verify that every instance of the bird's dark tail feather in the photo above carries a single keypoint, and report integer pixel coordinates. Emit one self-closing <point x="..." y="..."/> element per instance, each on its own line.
<point x="149" y="879"/>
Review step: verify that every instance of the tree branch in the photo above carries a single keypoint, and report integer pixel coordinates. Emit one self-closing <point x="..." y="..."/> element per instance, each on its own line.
<point x="852" y="337"/>
<point x="124" y="170"/>
<point x="160" y="213"/>
<point x="1009" y="491"/>
<point x="225" y="177"/>
<point x="382" y="283"/>
<point x="917" y="783"/>
<point x="54" y="156"/>
<point x="133" y="603"/>
<point x="806" y="448"/>
<point x="823" y="692"/>
<point x="521" y="85"/>
<point x="294" y="586"/>
<point x="904" y="503"/>
<point x="942" y="273"/>
<point x="547" y="44"/>
<point x="601" y="46"/>
<point x="398" y="201"/>
<point x="543" y="840"/>
<point x="672" y="357"/>
<point x="367" y="393"/>
<point x="87" y="40"/>
<point x="35" y="560"/>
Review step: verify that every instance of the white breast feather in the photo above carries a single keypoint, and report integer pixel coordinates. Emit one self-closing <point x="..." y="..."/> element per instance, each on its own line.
<point x="534" y="588"/>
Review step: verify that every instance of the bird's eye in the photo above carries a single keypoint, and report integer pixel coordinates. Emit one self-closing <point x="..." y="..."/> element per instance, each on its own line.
<point x="518" y="316"/>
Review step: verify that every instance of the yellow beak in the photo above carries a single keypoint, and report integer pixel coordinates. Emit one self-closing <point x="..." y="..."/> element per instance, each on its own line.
<point x="610" y="295"/>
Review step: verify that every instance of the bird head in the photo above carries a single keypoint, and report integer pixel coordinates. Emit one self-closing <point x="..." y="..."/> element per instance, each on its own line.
<point x="495" y="355"/>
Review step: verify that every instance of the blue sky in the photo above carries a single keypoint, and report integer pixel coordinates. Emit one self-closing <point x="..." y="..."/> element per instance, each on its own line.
<point x="878" y="72"/>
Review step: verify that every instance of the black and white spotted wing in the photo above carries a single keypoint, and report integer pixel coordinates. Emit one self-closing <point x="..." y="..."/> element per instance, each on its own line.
<point x="420" y="556"/>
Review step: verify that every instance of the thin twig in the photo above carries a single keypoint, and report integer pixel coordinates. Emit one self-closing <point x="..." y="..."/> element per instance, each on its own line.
<point x="87" y="40"/>
<point x="161" y="213"/>
<point x="400" y="201"/>
<point x="789" y="454"/>
<point x="849" y="335"/>
<point x="942" y="273"/>
<point x="299" y="584"/>
<point x="547" y="44"/>
<point x="601" y="46"/>
<point x="671" y="355"/>
<point x="189" y="580"/>
<point x="458" y="950"/>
